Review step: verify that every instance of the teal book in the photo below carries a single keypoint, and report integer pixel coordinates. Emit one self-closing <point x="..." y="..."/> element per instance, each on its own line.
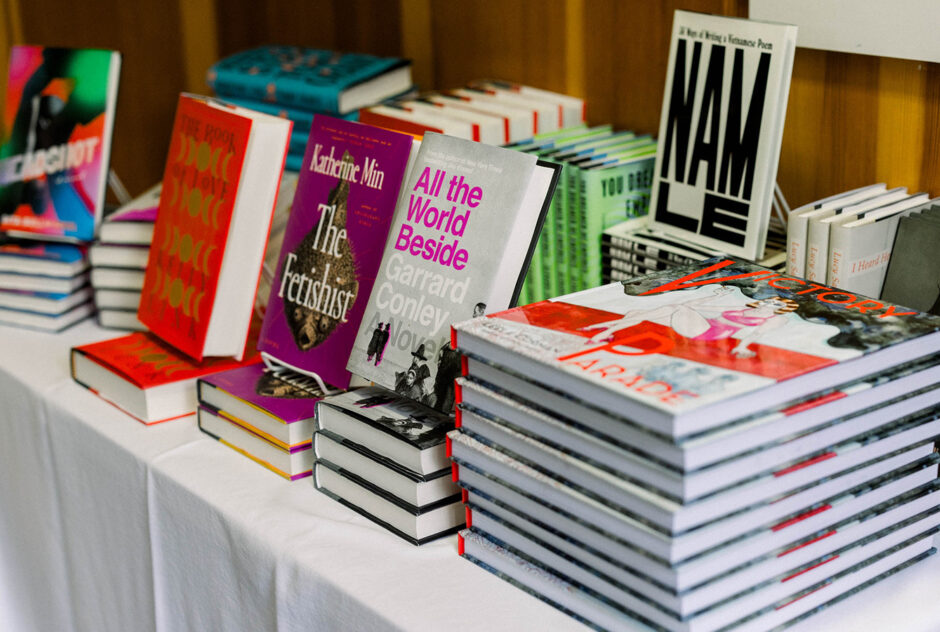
<point x="302" y="119"/>
<point x="310" y="79"/>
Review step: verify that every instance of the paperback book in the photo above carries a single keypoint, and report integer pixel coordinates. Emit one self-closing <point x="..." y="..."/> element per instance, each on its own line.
<point x="332" y="246"/>
<point x="463" y="233"/>
<point x="727" y="82"/>
<point x="54" y="157"/>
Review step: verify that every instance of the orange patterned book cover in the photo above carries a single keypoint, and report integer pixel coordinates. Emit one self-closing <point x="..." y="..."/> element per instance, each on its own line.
<point x="199" y="188"/>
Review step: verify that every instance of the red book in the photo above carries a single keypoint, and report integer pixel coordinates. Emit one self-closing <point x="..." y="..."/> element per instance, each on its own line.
<point x="219" y="189"/>
<point x="145" y="377"/>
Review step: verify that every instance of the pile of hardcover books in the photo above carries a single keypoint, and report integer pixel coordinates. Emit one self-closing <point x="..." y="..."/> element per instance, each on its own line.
<point x="119" y="260"/>
<point x="846" y="240"/>
<point x="296" y="83"/>
<point x="264" y="413"/>
<point x="632" y="248"/>
<point x="383" y="455"/>
<point x="43" y="285"/>
<point x="708" y="446"/>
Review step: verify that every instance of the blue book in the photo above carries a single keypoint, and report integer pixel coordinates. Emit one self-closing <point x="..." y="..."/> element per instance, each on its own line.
<point x="310" y="79"/>
<point x="302" y="119"/>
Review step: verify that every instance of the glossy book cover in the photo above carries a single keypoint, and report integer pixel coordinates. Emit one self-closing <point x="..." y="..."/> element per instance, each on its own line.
<point x="263" y="389"/>
<point x="200" y="184"/>
<point x="681" y="339"/>
<point x="332" y="247"/>
<point x="57" y="140"/>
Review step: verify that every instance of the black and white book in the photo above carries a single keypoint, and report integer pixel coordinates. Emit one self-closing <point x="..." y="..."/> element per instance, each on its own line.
<point x="390" y="425"/>
<point x="724" y="103"/>
<point x="415" y="524"/>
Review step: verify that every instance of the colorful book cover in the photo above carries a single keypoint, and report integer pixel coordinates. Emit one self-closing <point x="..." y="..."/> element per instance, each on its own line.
<point x="332" y="246"/>
<point x="262" y="388"/>
<point x="442" y="260"/>
<point x="681" y="339"/>
<point x="199" y="188"/>
<point x="145" y="361"/>
<point x="302" y="78"/>
<point x="57" y="140"/>
<point x="724" y="102"/>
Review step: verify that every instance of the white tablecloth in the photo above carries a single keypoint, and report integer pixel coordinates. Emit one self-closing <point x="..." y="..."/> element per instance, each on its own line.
<point x="107" y="524"/>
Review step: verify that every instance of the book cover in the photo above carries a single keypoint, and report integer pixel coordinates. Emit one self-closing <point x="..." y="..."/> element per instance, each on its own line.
<point x="678" y="340"/>
<point x="332" y="246"/>
<point x="58" y="119"/>
<point x="727" y="82"/>
<point x="303" y="78"/>
<point x="399" y="417"/>
<point x="443" y="263"/>
<point x="200" y="184"/>
<point x="263" y="388"/>
<point x="913" y="276"/>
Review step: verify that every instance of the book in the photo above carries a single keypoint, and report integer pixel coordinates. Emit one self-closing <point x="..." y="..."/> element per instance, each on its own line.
<point x="913" y="274"/>
<point x="42" y="283"/>
<point x="463" y="232"/>
<point x="517" y="123"/>
<point x="798" y="222"/>
<point x="117" y="299"/>
<point x="770" y="339"/>
<point x="390" y="425"/>
<point x="484" y="127"/>
<point x="414" y="489"/>
<point x="271" y="402"/>
<point x="416" y="122"/>
<point x="220" y="184"/>
<point x="58" y="121"/>
<point x="143" y="376"/>
<point x="332" y="245"/>
<point x="120" y="319"/>
<point x="132" y="223"/>
<point x="724" y="102"/>
<point x="43" y="302"/>
<point x="43" y="321"/>
<point x="118" y="255"/>
<point x="571" y="110"/>
<point x="312" y="79"/>
<point x="46" y="259"/>
<point x="417" y="525"/>
<point x="125" y="279"/>
<point x="293" y="463"/>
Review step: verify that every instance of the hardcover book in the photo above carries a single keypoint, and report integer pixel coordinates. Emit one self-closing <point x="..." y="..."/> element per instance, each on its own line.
<point x="143" y="376"/>
<point x="132" y="224"/>
<point x="274" y="403"/>
<point x="54" y="158"/>
<point x="55" y="260"/>
<point x="724" y="103"/>
<point x="219" y="189"/>
<point x="332" y="246"/>
<point x="655" y="349"/>
<point x="464" y="230"/>
<point x="319" y="80"/>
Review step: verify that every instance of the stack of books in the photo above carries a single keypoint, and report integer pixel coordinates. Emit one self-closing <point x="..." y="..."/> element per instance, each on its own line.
<point x="119" y="260"/>
<point x="632" y="248"/>
<point x="846" y="240"/>
<point x="264" y="413"/>
<point x="59" y="117"/>
<point x="383" y="455"/>
<point x="605" y="179"/>
<point x="296" y="83"/>
<point x="43" y="285"/>
<point x="710" y="446"/>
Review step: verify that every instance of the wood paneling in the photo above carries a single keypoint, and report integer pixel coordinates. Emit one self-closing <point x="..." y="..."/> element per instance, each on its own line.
<point x="851" y="119"/>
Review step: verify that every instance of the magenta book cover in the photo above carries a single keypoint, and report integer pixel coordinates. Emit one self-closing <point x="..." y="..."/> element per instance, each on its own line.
<point x="262" y="388"/>
<point x="345" y="200"/>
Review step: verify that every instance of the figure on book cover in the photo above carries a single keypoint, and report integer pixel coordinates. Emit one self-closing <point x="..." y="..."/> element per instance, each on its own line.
<point x="448" y="368"/>
<point x="410" y="383"/>
<point x="701" y="319"/>
<point x="272" y="384"/>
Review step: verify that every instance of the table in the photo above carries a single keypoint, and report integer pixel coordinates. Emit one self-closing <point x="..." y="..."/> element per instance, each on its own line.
<point x="107" y="524"/>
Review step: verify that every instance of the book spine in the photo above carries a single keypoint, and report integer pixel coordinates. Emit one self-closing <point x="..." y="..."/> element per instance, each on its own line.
<point x="796" y="245"/>
<point x="817" y="250"/>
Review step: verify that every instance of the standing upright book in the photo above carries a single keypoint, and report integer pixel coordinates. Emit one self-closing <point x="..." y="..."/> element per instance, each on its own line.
<point x="722" y="118"/>
<point x="219" y="190"/>
<point x="332" y="246"/>
<point x="466" y="223"/>
<point x="57" y="141"/>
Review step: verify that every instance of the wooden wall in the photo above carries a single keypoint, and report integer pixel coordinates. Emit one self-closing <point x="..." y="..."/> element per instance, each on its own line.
<point x="851" y="120"/>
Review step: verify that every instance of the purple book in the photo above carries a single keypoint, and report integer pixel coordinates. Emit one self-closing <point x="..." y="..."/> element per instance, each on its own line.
<point x="274" y="403"/>
<point x="333" y="245"/>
